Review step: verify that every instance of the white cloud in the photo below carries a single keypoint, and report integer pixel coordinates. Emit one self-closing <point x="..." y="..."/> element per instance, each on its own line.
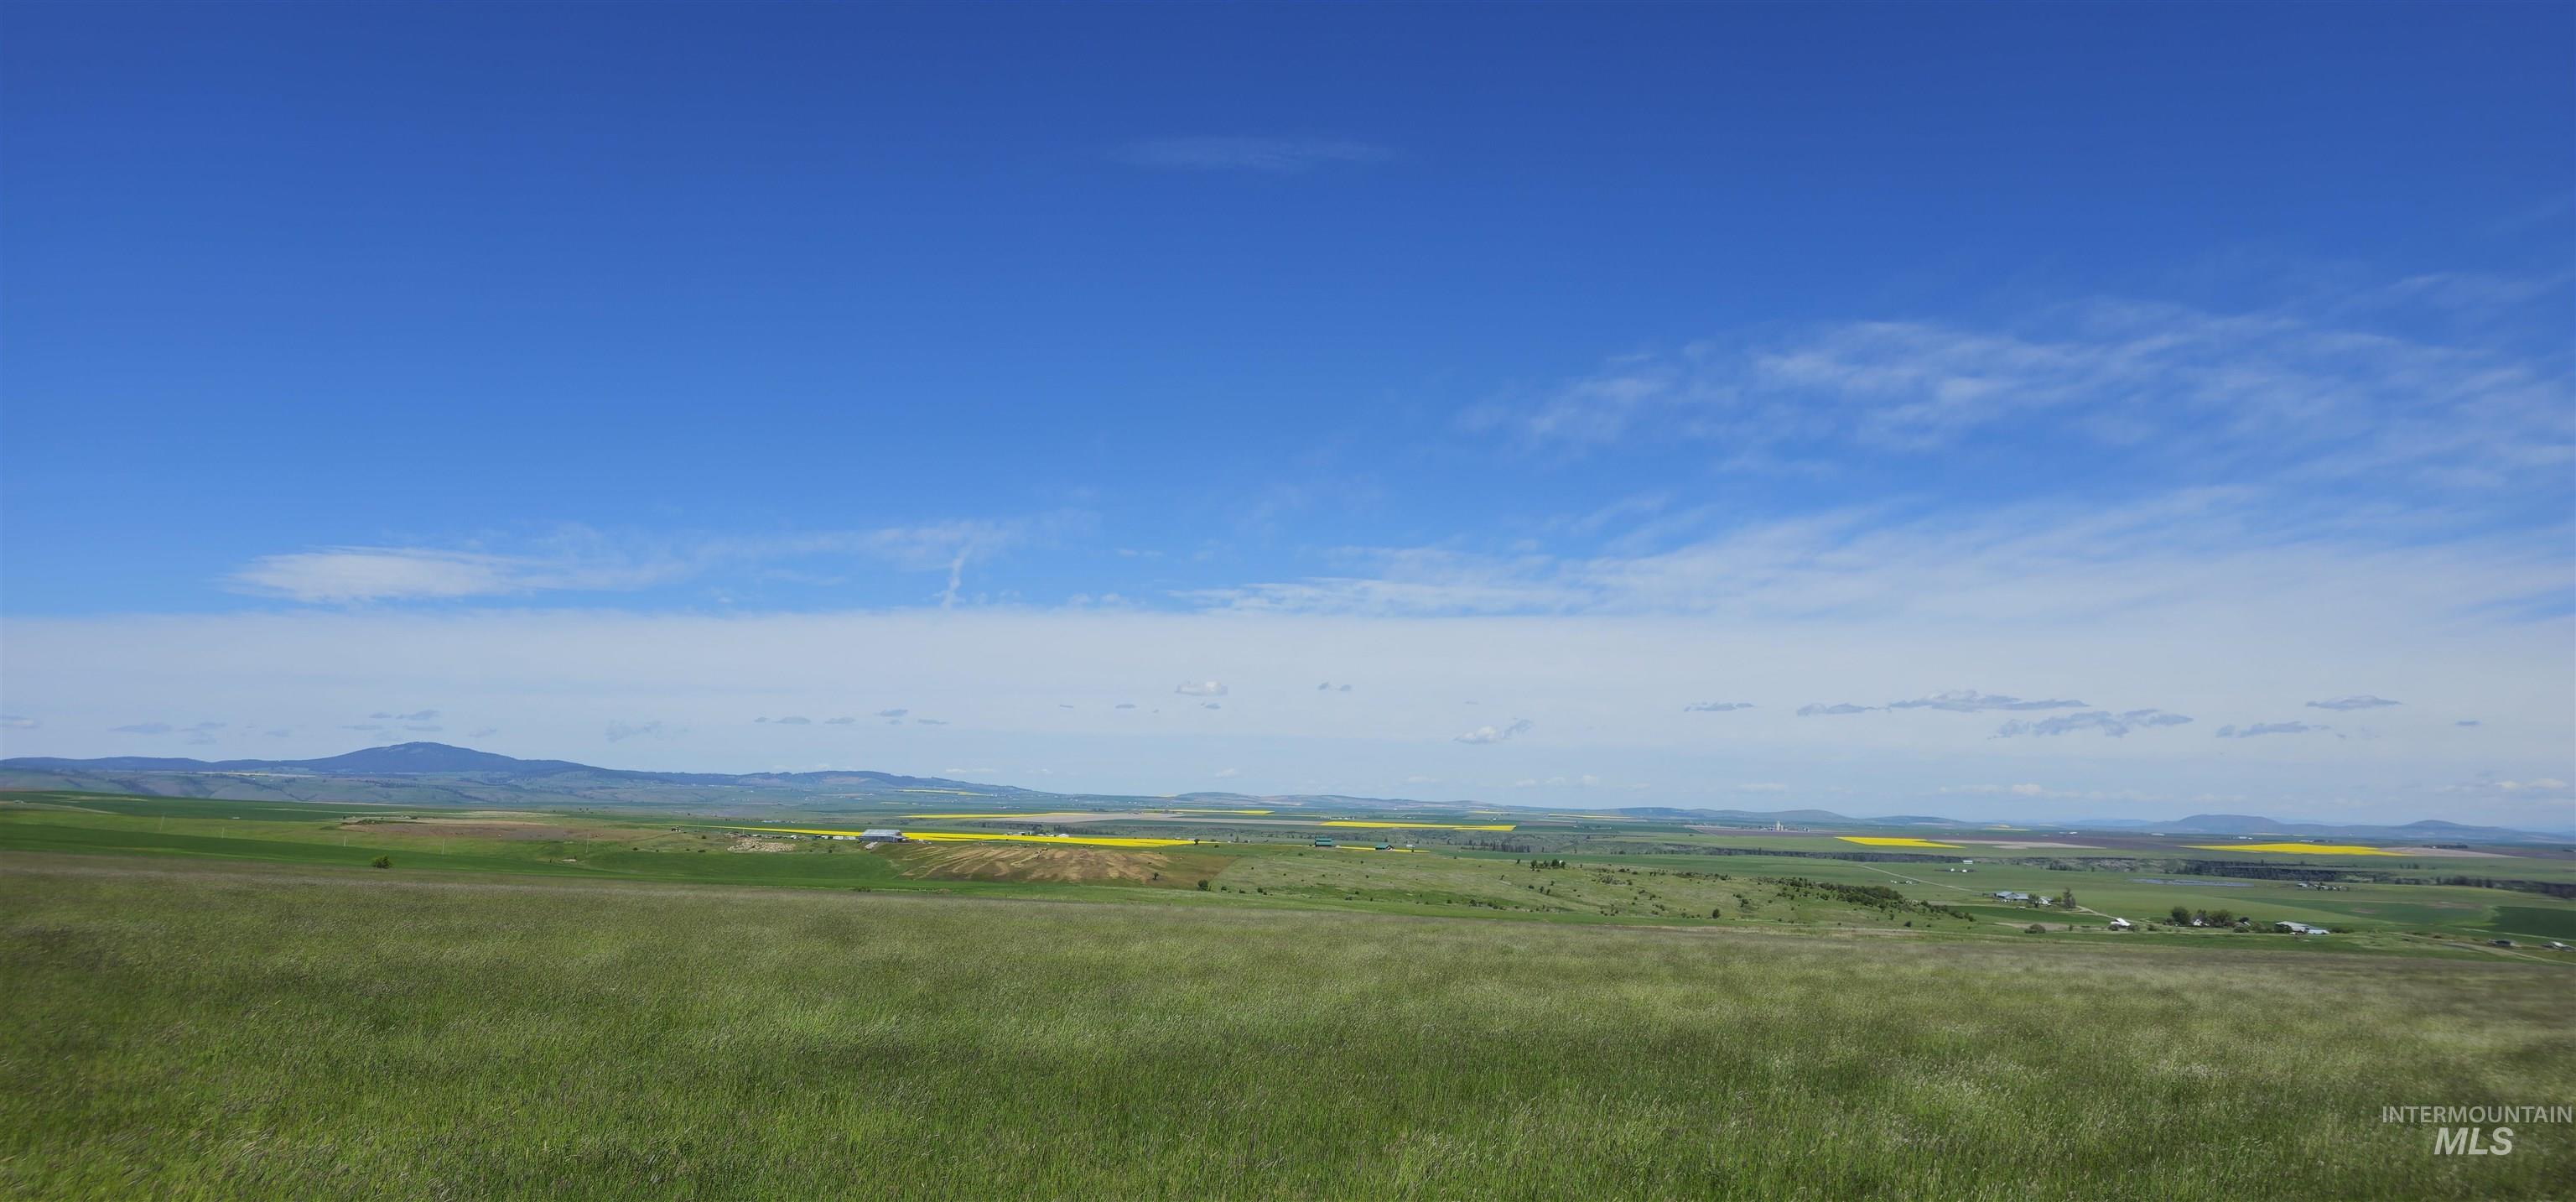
<point x="2270" y="728"/>
<point x="2101" y="721"/>
<point x="1970" y="701"/>
<point x="1201" y="688"/>
<point x="556" y="679"/>
<point x="1716" y="707"/>
<point x="2362" y="702"/>
<point x="1228" y="773"/>
<point x="577" y="559"/>
<point x="2254" y="394"/>
<point x="1267" y="156"/>
<point x="19" y="722"/>
<point x="1492" y="734"/>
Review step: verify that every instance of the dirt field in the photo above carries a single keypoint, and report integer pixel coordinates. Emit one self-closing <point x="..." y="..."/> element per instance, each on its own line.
<point x="2022" y="844"/>
<point x="1021" y="862"/>
<point x="472" y="828"/>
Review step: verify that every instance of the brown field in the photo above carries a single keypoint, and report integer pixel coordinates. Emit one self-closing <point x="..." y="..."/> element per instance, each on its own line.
<point x="1021" y="862"/>
<point x="474" y="828"/>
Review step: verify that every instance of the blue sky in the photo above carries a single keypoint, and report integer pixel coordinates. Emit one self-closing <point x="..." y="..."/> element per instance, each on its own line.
<point x="608" y="379"/>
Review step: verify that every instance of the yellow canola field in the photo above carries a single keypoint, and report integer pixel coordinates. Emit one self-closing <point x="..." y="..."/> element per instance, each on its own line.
<point x="2295" y="849"/>
<point x="1418" y="826"/>
<point x="980" y="837"/>
<point x="1885" y="841"/>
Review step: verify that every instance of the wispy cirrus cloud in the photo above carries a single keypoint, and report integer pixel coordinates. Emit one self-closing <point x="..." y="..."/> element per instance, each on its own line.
<point x="2363" y="702"/>
<point x="580" y="560"/>
<point x="1265" y="156"/>
<point x="1970" y="701"/>
<point x="1716" y="707"/>
<point x="199" y="732"/>
<point x="2241" y="396"/>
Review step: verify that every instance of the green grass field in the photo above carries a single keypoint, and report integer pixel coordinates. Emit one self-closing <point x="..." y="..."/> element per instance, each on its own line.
<point x="193" y="1028"/>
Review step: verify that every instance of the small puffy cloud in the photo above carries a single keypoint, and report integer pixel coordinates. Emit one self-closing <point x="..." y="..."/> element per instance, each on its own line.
<point x="414" y="716"/>
<point x="1716" y="707"/>
<point x="895" y="713"/>
<point x="143" y="728"/>
<point x="1970" y="701"/>
<point x="2269" y="728"/>
<point x="1840" y="707"/>
<point x="2115" y="725"/>
<point x="1493" y="734"/>
<point x="1200" y="688"/>
<point x="2544" y="784"/>
<point x="18" y="722"/>
<point x="1226" y="773"/>
<point x="619" y="732"/>
<point x="790" y="720"/>
<point x="2358" y="702"/>
<point x="1264" y="156"/>
<point x="838" y="721"/>
<point x="1330" y="687"/>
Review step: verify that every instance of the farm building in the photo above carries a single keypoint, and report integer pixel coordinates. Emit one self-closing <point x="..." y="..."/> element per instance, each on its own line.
<point x="882" y="835"/>
<point x="2119" y="924"/>
<point x="2300" y="928"/>
<point x="2011" y="896"/>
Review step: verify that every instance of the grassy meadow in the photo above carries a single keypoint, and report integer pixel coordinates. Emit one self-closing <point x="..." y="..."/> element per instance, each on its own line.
<point x="192" y="1027"/>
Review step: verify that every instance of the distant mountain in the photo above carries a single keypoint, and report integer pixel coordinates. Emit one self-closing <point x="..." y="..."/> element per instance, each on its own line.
<point x="2426" y="831"/>
<point x="439" y="774"/>
<point x="429" y="774"/>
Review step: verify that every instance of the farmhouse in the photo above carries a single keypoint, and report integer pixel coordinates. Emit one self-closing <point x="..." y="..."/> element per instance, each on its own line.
<point x="2300" y="928"/>
<point x="2119" y="924"/>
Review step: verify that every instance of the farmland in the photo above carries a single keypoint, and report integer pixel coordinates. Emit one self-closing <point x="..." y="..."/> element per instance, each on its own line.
<point x="188" y="1026"/>
<point x="1594" y="871"/>
<point x="226" y="999"/>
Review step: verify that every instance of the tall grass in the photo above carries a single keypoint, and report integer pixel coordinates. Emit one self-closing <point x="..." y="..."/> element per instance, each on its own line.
<point x="218" y="1031"/>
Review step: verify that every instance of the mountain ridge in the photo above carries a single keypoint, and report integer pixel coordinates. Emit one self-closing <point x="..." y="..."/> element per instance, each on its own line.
<point x="441" y="773"/>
